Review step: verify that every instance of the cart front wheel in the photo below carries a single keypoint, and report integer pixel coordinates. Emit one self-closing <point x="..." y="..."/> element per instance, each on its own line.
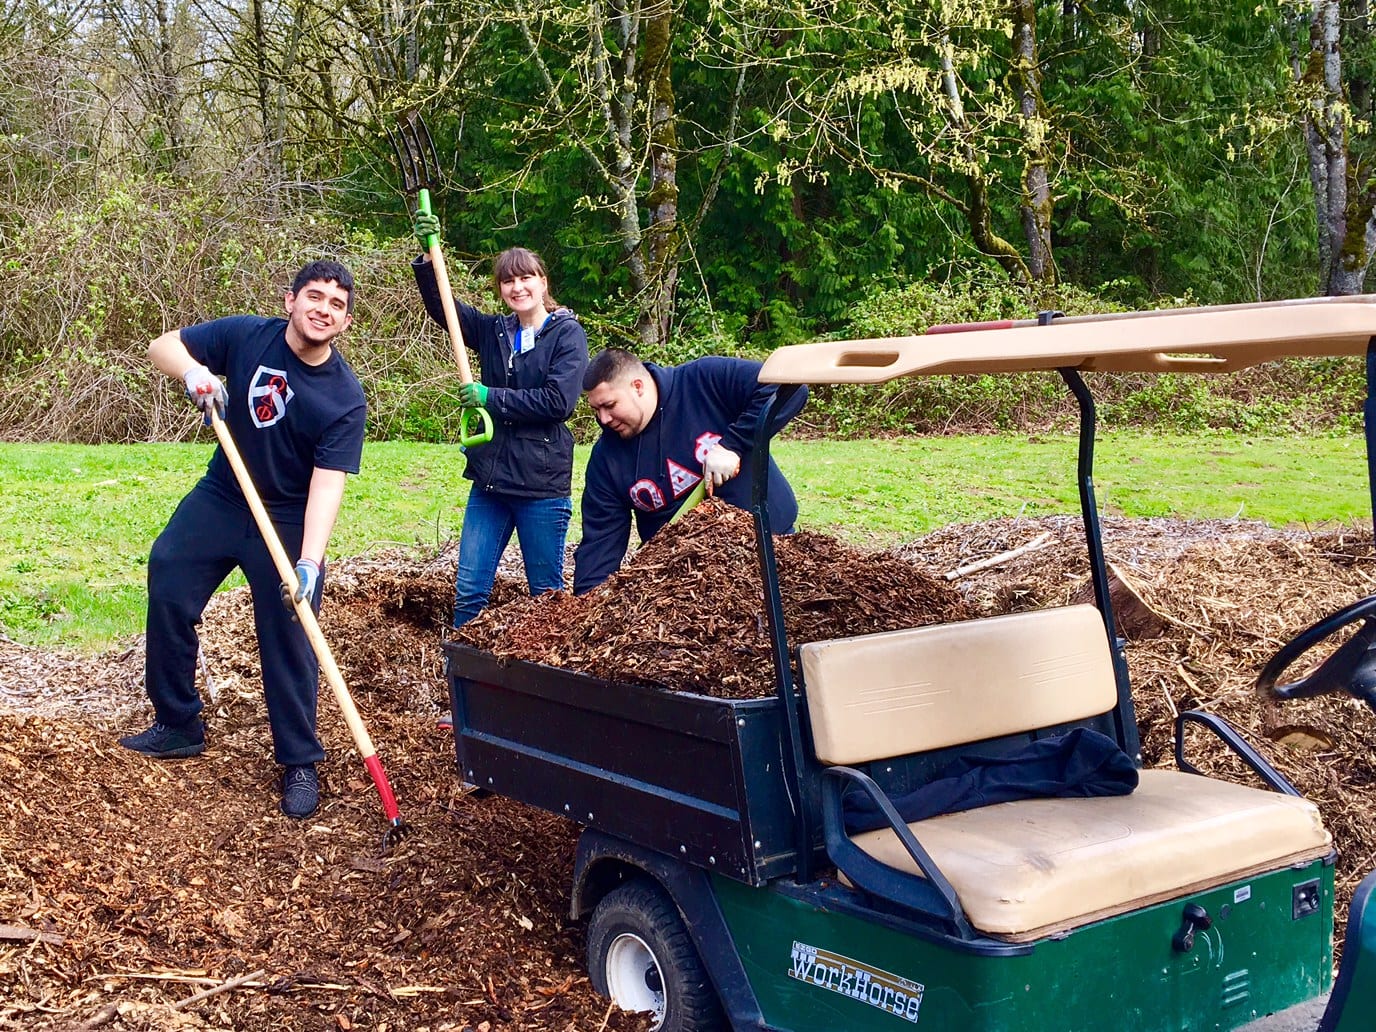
<point x="641" y="956"/>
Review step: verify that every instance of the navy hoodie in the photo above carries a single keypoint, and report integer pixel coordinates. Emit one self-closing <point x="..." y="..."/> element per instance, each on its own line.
<point x="701" y="403"/>
<point x="530" y="395"/>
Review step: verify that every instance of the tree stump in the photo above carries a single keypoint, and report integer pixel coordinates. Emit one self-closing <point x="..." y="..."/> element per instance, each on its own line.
<point x="1132" y="614"/>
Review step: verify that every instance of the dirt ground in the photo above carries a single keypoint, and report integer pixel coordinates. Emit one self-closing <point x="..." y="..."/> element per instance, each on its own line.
<point x="127" y="886"/>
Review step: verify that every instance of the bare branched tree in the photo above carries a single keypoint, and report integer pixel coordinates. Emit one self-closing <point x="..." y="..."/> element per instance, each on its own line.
<point x="613" y="99"/>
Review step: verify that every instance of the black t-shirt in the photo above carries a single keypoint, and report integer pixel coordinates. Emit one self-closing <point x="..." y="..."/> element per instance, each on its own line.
<point x="286" y="417"/>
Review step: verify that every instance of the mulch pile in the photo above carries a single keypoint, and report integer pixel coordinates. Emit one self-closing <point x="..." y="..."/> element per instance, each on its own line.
<point x="688" y="613"/>
<point x="129" y="885"/>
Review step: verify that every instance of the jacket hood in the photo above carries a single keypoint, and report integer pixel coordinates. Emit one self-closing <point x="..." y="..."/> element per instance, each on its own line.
<point x="663" y="377"/>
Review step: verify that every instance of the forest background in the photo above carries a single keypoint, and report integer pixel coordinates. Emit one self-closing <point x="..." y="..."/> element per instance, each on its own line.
<point x="702" y="176"/>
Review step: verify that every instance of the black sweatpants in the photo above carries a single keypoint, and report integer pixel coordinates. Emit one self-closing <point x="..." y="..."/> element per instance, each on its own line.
<point x="203" y="542"/>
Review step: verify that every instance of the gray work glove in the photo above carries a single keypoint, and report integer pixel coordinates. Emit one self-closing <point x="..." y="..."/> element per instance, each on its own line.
<point x="205" y="389"/>
<point x="307" y="577"/>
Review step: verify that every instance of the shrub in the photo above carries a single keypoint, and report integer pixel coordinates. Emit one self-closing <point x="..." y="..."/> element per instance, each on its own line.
<point x="88" y="284"/>
<point x="89" y="281"/>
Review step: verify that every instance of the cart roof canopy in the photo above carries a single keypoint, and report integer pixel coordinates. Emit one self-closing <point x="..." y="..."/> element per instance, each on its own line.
<point x="1213" y="339"/>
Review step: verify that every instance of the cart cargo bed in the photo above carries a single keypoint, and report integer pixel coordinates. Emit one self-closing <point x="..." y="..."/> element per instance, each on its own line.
<point x="694" y="777"/>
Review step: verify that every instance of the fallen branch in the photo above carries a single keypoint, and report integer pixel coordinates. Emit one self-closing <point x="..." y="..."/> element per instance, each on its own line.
<point x="216" y="990"/>
<point x="19" y="933"/>
<point x="994" y="560"/>
<point x="102" y="1017"/>
<point x="160" y="976"/>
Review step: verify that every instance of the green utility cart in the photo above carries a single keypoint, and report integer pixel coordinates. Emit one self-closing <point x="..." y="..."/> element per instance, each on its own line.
<point x="723" y="888"/>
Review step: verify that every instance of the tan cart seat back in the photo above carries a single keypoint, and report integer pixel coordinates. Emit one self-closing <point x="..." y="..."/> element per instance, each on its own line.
<point x="911" y="691"/>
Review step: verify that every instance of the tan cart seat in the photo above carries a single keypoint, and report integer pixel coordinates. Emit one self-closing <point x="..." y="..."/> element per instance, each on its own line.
<point x="1026" y="869"/>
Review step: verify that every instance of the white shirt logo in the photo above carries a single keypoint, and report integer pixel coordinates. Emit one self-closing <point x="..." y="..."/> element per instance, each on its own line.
<point x="681" y="479"/>
<point x="705" y="443"/>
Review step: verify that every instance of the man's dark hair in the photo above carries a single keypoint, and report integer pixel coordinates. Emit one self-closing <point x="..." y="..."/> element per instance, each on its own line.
<point x="611" y="365"/>
<point x="326" y="271"/>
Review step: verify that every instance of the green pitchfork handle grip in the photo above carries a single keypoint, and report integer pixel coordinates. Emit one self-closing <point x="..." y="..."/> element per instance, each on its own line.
<point x="475" y="426"/>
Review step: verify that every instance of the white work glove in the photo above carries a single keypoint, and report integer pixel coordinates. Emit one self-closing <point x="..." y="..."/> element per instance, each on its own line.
<point x="205" y="389"/>
<point x="719" y="465"/>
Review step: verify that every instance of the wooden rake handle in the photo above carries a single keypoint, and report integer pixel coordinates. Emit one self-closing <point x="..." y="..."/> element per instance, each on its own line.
<point x="306" y="615"/>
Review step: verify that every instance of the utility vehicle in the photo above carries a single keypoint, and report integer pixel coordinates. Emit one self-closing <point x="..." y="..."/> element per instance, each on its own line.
<point x="714" y="867"/>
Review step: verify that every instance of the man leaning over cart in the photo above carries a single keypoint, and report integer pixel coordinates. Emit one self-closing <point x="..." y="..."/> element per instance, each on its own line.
<point x="665" y="429"/>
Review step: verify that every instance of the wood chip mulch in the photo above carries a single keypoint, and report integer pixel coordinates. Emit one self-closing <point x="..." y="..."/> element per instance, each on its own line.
<point x="127" y="885"/>
<point x="688" y="612"/>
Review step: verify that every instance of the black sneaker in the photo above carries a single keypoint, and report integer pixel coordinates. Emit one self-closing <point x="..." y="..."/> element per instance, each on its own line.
<point x="300" y="791"/>
<point x="168" y="743"/>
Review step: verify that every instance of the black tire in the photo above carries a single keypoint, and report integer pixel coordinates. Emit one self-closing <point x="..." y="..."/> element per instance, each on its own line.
<point x="636" y="934"/>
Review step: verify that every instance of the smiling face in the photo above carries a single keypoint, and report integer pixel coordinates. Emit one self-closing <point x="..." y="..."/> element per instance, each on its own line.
<point x="624" y="406"/>
<point x="524" y="293"/>
<point x="316" y="315"/>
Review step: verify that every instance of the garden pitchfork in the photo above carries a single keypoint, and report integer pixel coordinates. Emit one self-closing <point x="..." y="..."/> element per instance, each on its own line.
<point x="418" y="162"/>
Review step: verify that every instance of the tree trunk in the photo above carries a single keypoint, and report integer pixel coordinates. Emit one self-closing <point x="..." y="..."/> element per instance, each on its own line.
<point x="979" y="212"/>
<point x="1344" y="202"/>
<point x="1036" y="204"/>
<point x="663" y="237"/>
<point x="616" y="81"/>
<point x="167" y="90"/>
<point x="263" y="82"/>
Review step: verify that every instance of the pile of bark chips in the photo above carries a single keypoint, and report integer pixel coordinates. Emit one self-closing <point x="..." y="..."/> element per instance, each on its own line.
<point x="129" y="886"/>
<point x="687" y="611"/>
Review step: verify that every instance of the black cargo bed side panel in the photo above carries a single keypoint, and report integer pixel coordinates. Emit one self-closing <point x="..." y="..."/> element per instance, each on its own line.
<point x="694" y="777"/>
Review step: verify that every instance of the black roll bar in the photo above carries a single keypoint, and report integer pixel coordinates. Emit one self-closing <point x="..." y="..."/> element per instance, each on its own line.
<point x="794" y="757"/>
<point x="1124" y="717"/>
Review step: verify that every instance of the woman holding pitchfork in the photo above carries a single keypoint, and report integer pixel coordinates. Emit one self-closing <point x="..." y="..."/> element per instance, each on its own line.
<point x="531" y="363"/>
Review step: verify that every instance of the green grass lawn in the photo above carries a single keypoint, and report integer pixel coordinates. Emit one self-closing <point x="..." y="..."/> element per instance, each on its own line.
<point x="76" y="522"/>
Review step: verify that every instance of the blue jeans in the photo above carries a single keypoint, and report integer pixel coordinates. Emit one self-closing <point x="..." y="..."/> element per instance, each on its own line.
<point x="541" y="524"/>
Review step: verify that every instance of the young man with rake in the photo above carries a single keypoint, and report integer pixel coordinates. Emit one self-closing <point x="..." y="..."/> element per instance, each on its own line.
<point x="296" y="411"/>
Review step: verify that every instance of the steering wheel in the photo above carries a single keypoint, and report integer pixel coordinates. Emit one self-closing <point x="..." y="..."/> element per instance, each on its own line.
<point x="1351" y="667"/>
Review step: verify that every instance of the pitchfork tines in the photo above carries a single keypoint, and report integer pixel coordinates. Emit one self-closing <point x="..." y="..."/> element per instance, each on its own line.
<point x="417" y="158"/>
